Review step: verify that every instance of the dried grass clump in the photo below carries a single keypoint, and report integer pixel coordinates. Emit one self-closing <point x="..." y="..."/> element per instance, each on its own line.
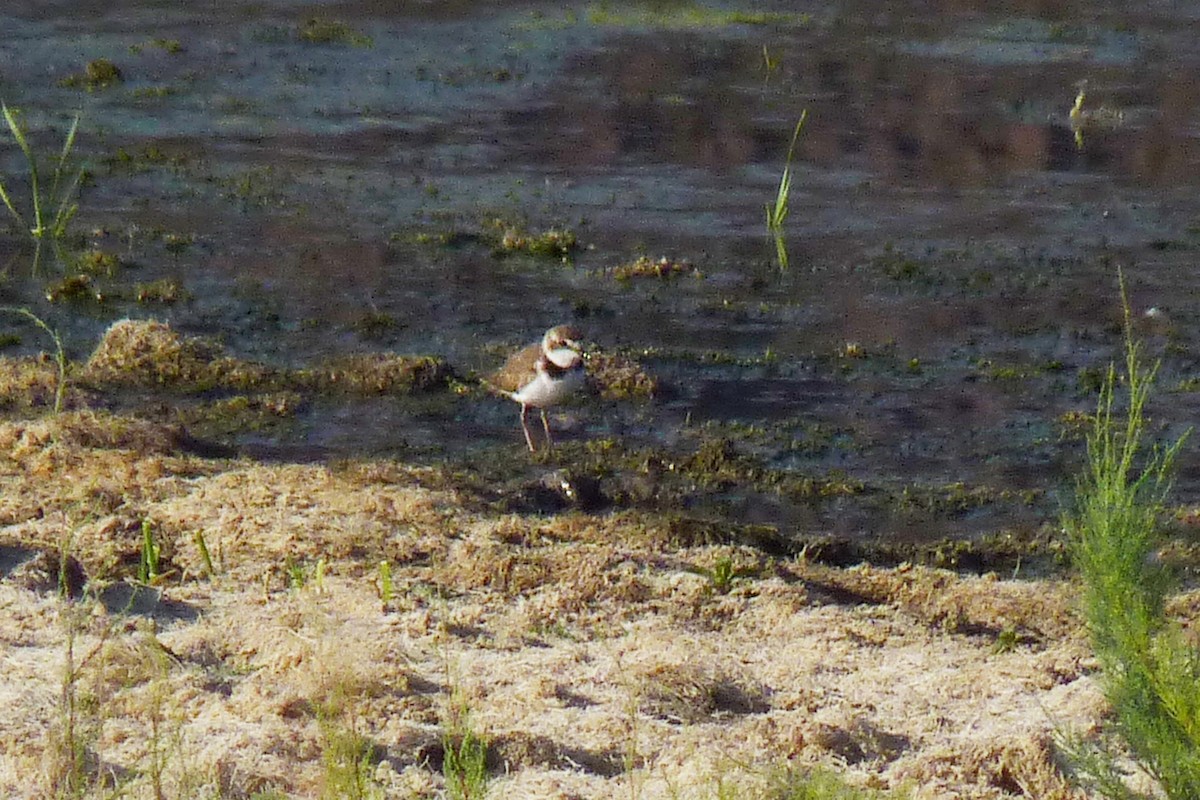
<point x="146" y="353"/>
<point x="954" y="603"/>
<point x="150" y="354"/>
<point x="616" y="377"/>
<point x="596" y="582"/>
<point x="89" y="430"/>
<point x="45" y="573"/>
<point x="378" y="374"/>
<point x="519" y="750"/>
<point x="1018" y="767"/>
<point x="858" y="741"/>
<point x="691" y="692"/>
<point x="27" y="382"/>
<point x="272" y="515"/>
<point x="501" y="568"/>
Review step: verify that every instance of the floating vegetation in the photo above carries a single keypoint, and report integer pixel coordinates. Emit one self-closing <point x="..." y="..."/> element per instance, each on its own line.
<point x="851" y="350"/>
<point x="375" y="325"/>
<point x="646" y="267"/>
<point x="1075" y="425"/>
<point x="171" y="46"/>
<point x="1014" y="372"/>
<point x="164" y="291"/>
<point x="684" y="15"/>
<point x="551" y="243"/>
<point x="98" y="74"/>
<point x="437" y="238"/>
<point x="959" y="498"/>
<point x="318" y="30"/>
<point x="153" y="92"/>
<point x="899" y="266"/>
<point x="259" y="187"/>
<point x="97" y="262"/>
<point x="178" y="243"/>
<point x="75" y="289"/>
<point x="140" y="160"/>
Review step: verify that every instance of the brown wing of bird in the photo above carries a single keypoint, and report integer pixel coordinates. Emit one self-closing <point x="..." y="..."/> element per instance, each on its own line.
<point x="520" y="368"/>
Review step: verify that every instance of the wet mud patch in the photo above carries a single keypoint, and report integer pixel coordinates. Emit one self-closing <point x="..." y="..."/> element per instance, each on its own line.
<point x="709" y="483"/>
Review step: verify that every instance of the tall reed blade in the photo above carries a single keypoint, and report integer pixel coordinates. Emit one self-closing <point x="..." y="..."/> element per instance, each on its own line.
<point x="15" y="129"/>
<point x="777" y="213"/>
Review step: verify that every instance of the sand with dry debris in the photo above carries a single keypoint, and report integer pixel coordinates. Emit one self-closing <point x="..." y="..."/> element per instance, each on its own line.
<point x="596" y="653"/>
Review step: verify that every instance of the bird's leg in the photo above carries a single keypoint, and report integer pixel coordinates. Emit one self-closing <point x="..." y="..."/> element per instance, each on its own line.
<point x="525" y="427"/>
<point x="546" y="425"/>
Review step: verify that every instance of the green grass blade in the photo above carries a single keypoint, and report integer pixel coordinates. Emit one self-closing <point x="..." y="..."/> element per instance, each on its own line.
<point x="34" y="184"/>
<point x="796" y="134"/>
<point x="69" y="142"/>
<point x="19" y="135"/>
<point x="11" y="208"/>
<point x="781" y="254"/>
<point x="777" y="213"/>
<point x="66" y="208"/>
<point x="63" y="155"/>
<point x="15" y="128"/>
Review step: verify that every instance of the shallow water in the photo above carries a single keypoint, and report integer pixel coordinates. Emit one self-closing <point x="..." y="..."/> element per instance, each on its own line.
<point x="951" y="289"/>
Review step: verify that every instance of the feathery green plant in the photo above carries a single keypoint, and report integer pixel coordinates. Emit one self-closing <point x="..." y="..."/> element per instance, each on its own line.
<point x="777" y="212"/>
<point x="51" y="209"/>
<point x="464" y="755"/>
<point x="347" y="754"/>
<point x="348" y="758"/>
<point x="1151" y="675"/>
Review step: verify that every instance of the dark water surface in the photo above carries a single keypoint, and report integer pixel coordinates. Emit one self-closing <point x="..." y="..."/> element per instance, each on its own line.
<point x="953" y="246"/>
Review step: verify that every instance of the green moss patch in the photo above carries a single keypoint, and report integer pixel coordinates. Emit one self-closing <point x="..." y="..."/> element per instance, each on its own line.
<point x="319" y="30"/>
<point x="98" y="74"/>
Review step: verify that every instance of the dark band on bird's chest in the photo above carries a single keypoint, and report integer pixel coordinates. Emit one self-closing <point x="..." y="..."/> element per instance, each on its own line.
<point x="554" y="370"/>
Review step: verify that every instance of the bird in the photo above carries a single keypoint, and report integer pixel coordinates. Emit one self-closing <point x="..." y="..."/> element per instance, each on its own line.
<point x="541" y="375"/>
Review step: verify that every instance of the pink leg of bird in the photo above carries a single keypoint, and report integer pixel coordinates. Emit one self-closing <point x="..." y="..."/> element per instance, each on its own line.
<point x="546" y="425"/>
<point x="525" y="427"/>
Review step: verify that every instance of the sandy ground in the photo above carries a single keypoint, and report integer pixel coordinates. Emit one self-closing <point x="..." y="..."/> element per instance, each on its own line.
<point x="597" y="653"/>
